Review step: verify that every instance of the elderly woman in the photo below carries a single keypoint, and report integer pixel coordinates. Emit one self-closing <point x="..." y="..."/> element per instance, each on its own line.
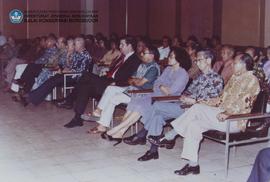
<point x="173" y="81"/>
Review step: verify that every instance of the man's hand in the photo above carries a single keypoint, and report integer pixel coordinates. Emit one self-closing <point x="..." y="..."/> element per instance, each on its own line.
<point x="66" y="70"/>
<point x="187" y="100"/>
<point x="130" y="81"/>
<point x="212" y="101"/>
<point x="222" y="116"/>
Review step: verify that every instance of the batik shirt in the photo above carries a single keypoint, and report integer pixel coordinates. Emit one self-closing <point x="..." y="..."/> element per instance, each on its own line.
<point x="47" y="73"/>
<point x="206" y="86"/>
<point x="48" y="54"/>
<point x="239" y="93"/>
<point x="81" y="61"/>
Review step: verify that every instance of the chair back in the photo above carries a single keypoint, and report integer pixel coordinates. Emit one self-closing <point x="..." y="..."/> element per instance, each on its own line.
<point x="259" y="106"/>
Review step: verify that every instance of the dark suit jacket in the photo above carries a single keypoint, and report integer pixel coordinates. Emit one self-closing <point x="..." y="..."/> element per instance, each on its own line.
<point x="127" y="70"/>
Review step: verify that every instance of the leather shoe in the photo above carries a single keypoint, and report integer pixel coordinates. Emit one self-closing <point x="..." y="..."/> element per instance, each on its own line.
<point x="64" y="104"/>
<point x="163" y="142"/>
<point x="105" y="136"/>
<point x="187" y="169"/>
<point x="74" y="123"/>
<point x="135" y="140"/>
<point x="148" y="156"/>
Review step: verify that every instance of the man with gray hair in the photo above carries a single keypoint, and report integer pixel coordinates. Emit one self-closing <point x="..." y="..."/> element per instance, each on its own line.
<point x="80" y="63"/>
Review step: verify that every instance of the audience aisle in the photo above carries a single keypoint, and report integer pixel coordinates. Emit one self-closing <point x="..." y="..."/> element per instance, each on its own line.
<point x="35" y="147"/>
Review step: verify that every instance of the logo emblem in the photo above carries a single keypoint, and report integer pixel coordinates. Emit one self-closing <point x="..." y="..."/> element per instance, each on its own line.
<point x="15" y="16"/>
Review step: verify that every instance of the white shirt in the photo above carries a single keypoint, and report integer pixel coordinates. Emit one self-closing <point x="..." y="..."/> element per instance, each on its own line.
<point x="163" y="52"/>
<point x="125" y="58"/>
<point x="3" y="40"/>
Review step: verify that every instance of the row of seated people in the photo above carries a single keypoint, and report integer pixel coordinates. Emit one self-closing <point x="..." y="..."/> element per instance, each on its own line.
<point x="211" y="104"/>
<point x="210" y="107"/>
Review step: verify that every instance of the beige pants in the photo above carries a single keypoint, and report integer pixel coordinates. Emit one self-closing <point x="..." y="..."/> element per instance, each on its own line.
<point x="198" y="119"/>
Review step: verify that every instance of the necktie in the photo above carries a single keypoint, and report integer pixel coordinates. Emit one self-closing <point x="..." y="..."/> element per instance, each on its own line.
<point x="120" y="62"/>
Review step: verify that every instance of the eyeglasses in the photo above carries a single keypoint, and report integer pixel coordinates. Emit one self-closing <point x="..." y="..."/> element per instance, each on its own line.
<point x="198" y="60"/>
<point x="144" y="53"/>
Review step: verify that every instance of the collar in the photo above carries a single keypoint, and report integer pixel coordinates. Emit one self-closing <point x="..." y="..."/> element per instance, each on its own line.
<point x="128" y="55"/>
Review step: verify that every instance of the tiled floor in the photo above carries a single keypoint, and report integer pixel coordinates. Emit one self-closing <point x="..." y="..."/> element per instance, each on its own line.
<point x="35" y="147"/>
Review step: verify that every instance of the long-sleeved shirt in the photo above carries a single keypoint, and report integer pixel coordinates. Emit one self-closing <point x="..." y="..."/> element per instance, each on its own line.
<point x="81" y="61"/>
<point x="239" y="95"/>
<point x="175" y="80"/>
<point x="47" y="55"/>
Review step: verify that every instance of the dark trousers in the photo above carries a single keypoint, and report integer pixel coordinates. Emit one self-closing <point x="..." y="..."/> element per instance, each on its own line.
<point x="261" y="168"/>
<point x="38" y="95"/>
<point x="30" y="73"/>
<point x="89" y="85"/>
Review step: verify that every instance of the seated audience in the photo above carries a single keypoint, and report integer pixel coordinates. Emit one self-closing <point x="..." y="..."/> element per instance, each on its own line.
<point x="208" y="85"/>
<point x="250" y="50"/>
<point x="32" y="70"/>
<point x="144" y="78"/>
<point x="90" y="85"/>
<point x="80" y="63"/>
<point x="172" y="81"/>
<point x="36" y="50"/>
<point x="141" y="43"/>
<point x="64" y="61"/>
<point x="224" y="67"/>
<point x="191" y="40"/>
<point x="177" y="41"/>
<point x="11" y="66"/>
<point x="237" y="98"/>
<point x="194" y="71"/>
<point x="98" y="54"/>
<point x="164" y="50"/>
<point x="109" y="59"/>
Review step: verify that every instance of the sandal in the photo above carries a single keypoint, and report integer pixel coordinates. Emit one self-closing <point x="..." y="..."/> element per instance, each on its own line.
<point x="90" y="117"/>
<point x="95" y="130"/>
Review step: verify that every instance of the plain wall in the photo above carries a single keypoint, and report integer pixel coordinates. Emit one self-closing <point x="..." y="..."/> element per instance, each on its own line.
<point x="162" y="16"/>
<point x="241" y="22"/>
<point x="196" y="18"/>
<point x="267" y="24"/>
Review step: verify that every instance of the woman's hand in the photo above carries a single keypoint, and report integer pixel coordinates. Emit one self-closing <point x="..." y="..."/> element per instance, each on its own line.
<point x="165" y="90"/>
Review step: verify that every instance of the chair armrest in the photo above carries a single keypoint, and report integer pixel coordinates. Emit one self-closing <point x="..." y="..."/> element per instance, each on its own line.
<point x="146" y="91"/>
<point x="72" y="74"/>
<point x="238" y="117"/>
<point x="165" y="98"/>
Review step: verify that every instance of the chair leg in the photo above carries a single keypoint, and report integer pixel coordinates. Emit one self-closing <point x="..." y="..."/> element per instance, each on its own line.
<point x="93" y="104"/>
<point x="112" y="123"/>
<point x="131" y="130"/>
<point x="234" y="151"/>
<point x="136" y="127"/>
<point x="227" y="153"/>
